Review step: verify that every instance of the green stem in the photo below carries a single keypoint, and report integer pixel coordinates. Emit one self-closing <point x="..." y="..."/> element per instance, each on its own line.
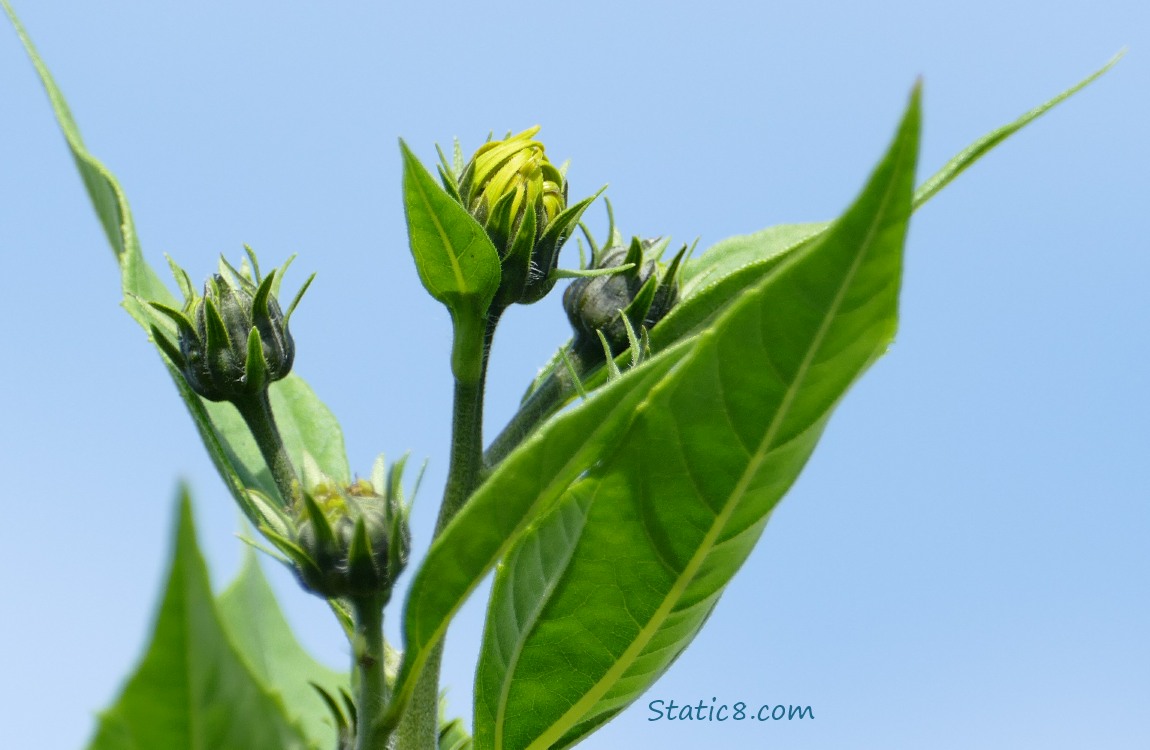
<point x="368" y="670"/>
<point x="256" y="411"/>
<point x="466" y="451"/>
<point x="419" y="727"/>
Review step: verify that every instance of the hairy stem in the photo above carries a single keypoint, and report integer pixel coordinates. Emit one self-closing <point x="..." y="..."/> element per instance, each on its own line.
<point x="368" y="669"/>
<point x="419" y="727"/>
<point x="466" y="451"/>
<point x="256" y="411"/>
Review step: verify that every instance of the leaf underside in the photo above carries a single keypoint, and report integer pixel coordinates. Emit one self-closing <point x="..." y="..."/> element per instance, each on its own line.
<point x="604" y="593"/>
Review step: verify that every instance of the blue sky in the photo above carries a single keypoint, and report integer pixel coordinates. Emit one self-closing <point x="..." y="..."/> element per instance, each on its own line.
<point x="963" y="562"/>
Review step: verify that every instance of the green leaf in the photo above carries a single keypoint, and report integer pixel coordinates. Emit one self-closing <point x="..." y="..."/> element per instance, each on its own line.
<point x="539" y="646"/>
<point x="633" y="560"/>
<point x="264" y="640"/>
<point x="303" y="420"/>
<point x="103" y="189"/>
<point x="455" y="259"/>
<point x="192" y="689"/>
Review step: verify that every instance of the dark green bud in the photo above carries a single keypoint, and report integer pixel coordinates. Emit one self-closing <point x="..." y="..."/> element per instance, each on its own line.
<point x="233" y="341"/>
<point x="644" y="293"/>
<point x="354" y="542"/>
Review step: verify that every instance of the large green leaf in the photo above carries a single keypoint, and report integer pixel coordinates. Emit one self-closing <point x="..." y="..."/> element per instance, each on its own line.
<point x="598" y="601"/>
<point x="264" y="640"/>
<point x="304" y="422"/>
<point x="453" y="254"/>
<point x="192" y="689"/>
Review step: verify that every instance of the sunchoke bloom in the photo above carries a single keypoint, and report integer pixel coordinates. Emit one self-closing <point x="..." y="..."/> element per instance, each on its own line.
<point x="520" y="198"/>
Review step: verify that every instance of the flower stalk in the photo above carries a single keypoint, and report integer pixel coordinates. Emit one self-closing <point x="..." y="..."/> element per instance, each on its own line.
<point x="419" y="727"/>
<point x="367" y="668"/>
<point x="605" y="311"/>
<point x="256" y="411"/>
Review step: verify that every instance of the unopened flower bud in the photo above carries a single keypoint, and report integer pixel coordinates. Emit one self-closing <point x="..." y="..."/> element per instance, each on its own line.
<point x="234" y="339"/>
<point x="644" y="293"/>
<point x="520" y="198"/>
<point x="343" y="540"/>
<point x="355" y="542"/>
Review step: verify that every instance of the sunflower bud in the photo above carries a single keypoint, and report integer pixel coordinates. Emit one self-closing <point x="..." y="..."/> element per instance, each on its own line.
<point x="343" y="540"/>
<point x="234" y="339"/>
<point x="644" y="293"/>
<point x="356" y="541"/>
<point x="520" y="198"/>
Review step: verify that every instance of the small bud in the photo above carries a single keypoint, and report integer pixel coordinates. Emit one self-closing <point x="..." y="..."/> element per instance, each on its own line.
<point x="344" y="540"/>
<point x="520" y="198"/>
<point x="645" y="293"/>
<point x="356" y="542"/>
<point x="233" y="340"/>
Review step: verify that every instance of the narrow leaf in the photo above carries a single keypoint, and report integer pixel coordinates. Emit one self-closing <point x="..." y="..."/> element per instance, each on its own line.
<point x="976" y="150"/>
<point x="308" y="426"/>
